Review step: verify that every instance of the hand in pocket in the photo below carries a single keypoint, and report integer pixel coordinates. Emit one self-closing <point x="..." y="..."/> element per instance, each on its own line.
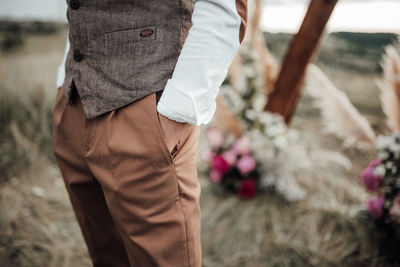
<point x="172" y="131"/>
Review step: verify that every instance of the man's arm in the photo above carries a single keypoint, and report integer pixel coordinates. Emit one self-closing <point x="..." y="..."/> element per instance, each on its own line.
<point x="218" y="28"/>
<point x="61" y="67"/>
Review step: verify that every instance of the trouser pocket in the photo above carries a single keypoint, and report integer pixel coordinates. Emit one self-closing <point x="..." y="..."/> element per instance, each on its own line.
<point x="174" y="151"/>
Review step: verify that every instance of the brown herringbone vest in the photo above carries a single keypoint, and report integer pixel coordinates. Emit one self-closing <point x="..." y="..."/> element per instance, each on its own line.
<point x="122" y="50"/>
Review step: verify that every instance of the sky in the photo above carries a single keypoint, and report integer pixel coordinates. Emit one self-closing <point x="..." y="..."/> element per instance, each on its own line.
<point x="278" y="15"/>
<point x="349" y="15"/>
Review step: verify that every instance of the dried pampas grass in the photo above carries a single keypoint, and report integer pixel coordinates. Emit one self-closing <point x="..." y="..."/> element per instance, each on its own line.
<point x="267" y="63"/>
<point x="390" y="87"/>
<point x="340" y="117"/>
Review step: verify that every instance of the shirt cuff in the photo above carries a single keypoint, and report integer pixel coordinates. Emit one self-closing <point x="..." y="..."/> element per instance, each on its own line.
<point x="186" y="110"/>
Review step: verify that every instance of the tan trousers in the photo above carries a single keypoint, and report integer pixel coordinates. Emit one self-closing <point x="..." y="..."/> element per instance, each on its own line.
<point x="136" y="202"/>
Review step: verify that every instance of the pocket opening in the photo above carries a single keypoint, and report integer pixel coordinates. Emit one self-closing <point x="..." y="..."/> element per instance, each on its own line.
<point x="129" y="36"/>
<point x="159" y="129"/>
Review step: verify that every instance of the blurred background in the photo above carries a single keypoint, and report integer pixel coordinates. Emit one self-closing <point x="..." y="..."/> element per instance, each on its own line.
<point x="38" y="227"/>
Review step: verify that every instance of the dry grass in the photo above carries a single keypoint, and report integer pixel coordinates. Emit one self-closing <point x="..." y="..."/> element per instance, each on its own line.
<point x="322" y="230"/>
<point x="37" y="225"/>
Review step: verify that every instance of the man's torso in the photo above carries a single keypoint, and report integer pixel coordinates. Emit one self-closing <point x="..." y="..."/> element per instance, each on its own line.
<point x="123" y="50"/>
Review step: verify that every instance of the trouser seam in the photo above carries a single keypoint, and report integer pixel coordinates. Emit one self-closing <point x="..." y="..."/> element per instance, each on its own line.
<point x="85" y="226"/>
<point x="183" y="214"/>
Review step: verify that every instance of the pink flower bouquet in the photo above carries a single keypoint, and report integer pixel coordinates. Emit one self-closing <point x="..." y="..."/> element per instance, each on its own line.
<point x="231" y="164"/>
<point x="382" y="214"/>
<point x="382" y="178"/>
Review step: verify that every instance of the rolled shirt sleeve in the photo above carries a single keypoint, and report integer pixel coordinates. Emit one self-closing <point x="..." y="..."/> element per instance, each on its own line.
<point x="218" y="28"/>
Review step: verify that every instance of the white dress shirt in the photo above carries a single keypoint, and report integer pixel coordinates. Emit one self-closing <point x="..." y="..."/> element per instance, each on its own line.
<point x="210" y="46"/>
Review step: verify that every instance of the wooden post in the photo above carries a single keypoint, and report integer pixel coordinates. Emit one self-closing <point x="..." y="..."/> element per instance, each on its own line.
<point x="283" y="99"/>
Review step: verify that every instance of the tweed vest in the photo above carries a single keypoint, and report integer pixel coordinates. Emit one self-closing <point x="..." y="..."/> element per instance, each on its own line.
<point x="122" y="50"/>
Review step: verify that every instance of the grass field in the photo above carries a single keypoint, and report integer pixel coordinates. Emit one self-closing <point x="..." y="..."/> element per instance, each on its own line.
<point x="38" y="227"/>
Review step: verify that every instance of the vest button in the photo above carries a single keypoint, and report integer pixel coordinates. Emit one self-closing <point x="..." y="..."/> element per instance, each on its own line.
<point x="78" y="55"/>
<point x="75" y="4"/>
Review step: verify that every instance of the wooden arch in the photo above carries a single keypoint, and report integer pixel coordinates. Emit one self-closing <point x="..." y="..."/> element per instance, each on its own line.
<point x="287" y="89"/>
<point x="283" y="85"/>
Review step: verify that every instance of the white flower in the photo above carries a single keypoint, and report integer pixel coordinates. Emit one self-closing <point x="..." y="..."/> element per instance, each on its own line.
<point x="396" y="136"/>
<point x="276" y="130"/>
<point x="395" y="148"/>
<point x="250" y="114"/>
<point x="380" y="170"/>
<point x="280" y="142"/>
<point x="265" y="118"/>
<point x="259" y="104"/>
<point x="232" y="100"/>
<point x="267" y="181"/>
<point x="279" y="118"/>
<point x="383" y="155"/>
<point x="248" y="71"/>
<point x="383" y="142"/>
<point x="259" y="82"/>
<point x="389" y="165"/>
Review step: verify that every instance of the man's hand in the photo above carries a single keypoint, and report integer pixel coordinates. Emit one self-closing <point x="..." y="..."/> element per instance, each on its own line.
<point x="172" y="130"/>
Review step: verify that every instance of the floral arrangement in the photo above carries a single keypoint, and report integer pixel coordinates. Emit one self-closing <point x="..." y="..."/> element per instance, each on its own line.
<point x="267" y="154"/>
<point x="382" y="178"/>
<point x="231" y="163"/>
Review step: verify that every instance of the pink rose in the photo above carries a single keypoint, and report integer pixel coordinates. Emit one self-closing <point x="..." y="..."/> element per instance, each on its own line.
<point x="215" y="137"/>
<point x="230" y="157"/>
<point x="370" y="180"/>
<point x="247" y="189"/>
<point x="215" y="176"/>
<point x="242" y="146"/>
<point x="368" y="177"/>
<point x="375" y="162"/>
<point x="246" y="164"/>
<point x="220" y="164"/>
<point x="375" y="206"/>
<point x="207" y="156"/>
<point x="395" y="210"/>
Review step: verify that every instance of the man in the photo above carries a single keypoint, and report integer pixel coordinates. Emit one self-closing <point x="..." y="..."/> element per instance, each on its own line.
<point x="137" y="80"/>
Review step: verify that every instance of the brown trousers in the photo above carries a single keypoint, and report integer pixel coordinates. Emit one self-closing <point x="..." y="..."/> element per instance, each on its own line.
<point x="137" y="204"/>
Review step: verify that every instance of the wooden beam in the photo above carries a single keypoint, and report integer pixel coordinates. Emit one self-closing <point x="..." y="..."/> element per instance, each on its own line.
<point x="283" y="99"/>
